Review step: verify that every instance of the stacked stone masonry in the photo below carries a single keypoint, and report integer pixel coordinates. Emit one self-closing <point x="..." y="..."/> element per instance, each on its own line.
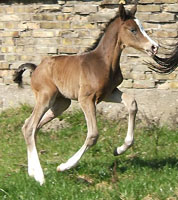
<point x="32" y="31"/>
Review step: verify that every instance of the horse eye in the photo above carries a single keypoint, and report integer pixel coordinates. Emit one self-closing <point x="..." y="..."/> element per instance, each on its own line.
<point x="134" y="31"/>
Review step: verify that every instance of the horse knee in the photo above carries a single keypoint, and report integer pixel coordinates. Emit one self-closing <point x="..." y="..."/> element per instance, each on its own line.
<point x="92" y="139"/>
<point x="27" y="131"/>
<point x="133" y="106"/>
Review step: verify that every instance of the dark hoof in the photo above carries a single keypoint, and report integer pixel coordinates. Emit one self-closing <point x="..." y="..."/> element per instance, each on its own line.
<point x="115" y="152"/>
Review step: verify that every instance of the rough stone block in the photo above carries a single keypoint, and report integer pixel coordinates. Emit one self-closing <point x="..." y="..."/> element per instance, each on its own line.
<point x="66" y="41"/>
<point x="171" y="76"/>
<point x="4" y="65"/>
<point x="64" y="16"/>
<point x="10" y="25"/>
<point x="43" y="34"/>
<point x="5" y="73"/>
<point x="143" y="16"/>
<point x="9" y="34"/>
<point x="26" y="58"/>
<point x="53" y="25"/>
<point x="41" y="17"/>
<point x="138" y="75"/>
<point x="166" y="1"/>
<point x="162" y="17"/>
<point x="169" y="26"/>
<point x="101" y="17"/>
<point x="46" y="50"/>
<point x="1" y="25"/>
<point x="173" y="85"/>
<point x="84" y="42"/>
<point x="28" y="25"/>
<point x="165" y="34"/>
<point x="143" y="84"/>
<point x="46" y="41"/>
<point x="2" y="57"/>
<point x="109" y="2"/>
<point x="19" y="49"/>
<point x="127" y="83"/>
<point x="23" y="9"/>
<point x="60" y="2"/>
<point x="10" y="49"/>
<point x="12" y="58"/>
<point x="14" y="17"/>
<point x="170" y="8"/>
<point x="83" y="25"/>
<point x="2" y="10"/>
<point x="146" y="1"/>
<point x="9" y="41"/>
<point x="9" y="10"/>
<point x="85" y="9"/>
<point x="149" y="8"/>
<point x="67" y="49"/>
<point x="49" y="8"/>
<point x="69" y="9"/>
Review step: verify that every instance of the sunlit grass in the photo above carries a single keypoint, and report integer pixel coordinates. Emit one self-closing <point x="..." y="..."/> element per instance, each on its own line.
<point x="149" y="170"/>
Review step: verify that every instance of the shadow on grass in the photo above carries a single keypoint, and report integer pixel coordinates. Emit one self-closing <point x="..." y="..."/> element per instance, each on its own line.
<point x="155" y="164"/>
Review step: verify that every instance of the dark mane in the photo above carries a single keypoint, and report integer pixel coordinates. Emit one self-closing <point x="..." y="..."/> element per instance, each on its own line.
<point x="95" y="44"/>
<point x="165" y="65"/>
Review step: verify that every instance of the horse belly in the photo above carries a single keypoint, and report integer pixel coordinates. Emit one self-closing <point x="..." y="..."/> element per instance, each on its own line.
<point x="69" y="90"/>
<point x="68" y="84"/>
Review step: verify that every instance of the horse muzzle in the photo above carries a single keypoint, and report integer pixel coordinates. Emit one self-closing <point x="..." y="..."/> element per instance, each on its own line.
<point x="153" y="50"/>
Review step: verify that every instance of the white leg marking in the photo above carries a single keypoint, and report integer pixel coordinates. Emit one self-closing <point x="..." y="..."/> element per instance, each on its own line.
<point x="34" y="167"/>
<point x="72" y="162"/>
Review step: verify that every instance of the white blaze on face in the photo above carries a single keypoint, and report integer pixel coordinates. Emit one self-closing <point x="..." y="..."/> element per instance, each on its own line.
<point x="144" y="33"/>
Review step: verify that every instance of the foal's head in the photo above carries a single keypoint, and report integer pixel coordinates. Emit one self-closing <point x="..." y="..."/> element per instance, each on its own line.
<point x="132" y="34"/>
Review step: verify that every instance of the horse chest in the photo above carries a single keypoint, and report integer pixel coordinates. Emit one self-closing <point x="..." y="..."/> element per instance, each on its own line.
<point x="115" y="79"/>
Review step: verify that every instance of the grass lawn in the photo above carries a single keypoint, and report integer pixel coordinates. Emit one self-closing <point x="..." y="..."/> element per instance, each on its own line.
<point x="149" y="170"/>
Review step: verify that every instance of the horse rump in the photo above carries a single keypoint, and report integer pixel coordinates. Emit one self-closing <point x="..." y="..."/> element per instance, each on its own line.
<point x="17" y="76"/>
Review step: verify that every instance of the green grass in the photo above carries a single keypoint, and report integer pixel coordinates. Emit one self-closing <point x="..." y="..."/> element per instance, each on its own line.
<point x="147" y="171"/>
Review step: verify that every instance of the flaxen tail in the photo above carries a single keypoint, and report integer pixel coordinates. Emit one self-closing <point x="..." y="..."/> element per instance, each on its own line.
<point x="17" y="77"/>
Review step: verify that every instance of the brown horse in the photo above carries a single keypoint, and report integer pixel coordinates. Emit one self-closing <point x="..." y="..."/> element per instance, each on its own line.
<point x="90" y="78"/>
<point x="166" y="65"/>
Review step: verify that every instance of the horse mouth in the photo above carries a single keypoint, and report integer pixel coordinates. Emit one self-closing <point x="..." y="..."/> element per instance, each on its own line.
<point x="151" y="53"/>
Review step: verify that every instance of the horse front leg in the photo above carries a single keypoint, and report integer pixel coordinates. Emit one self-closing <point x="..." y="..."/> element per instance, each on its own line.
<point x="89" y="110"/>
<point x="119" y="97"/>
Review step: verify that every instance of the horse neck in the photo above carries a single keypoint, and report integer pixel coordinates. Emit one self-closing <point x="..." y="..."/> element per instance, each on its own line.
<point x="109" y="46"/>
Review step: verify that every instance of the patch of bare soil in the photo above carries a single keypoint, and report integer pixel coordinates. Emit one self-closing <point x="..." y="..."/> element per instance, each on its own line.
<point x="55" y="125"/>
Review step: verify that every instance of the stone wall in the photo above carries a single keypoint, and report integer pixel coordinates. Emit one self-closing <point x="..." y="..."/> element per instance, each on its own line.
<point x="32" y="31"/>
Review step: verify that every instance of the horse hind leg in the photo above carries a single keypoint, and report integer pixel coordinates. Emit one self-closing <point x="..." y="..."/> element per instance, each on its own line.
<point x="29" y="130"/>
<point x="60" y="105"/>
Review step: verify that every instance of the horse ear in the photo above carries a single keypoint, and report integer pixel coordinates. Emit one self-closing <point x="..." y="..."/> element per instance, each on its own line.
<point x="133" y="10"/>
<point x="122" y="12"/>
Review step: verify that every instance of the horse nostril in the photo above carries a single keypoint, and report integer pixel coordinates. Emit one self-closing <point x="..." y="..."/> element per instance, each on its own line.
<point x="154" y="49"/>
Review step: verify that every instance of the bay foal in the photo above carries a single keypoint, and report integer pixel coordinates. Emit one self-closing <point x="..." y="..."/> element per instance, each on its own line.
<point x="90" y="78"/>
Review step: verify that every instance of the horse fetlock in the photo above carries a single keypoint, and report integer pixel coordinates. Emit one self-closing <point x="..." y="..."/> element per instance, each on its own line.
<point x="129" y="142"/>
<point x="37" y="174"/>
<point x="92" y="140"/>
